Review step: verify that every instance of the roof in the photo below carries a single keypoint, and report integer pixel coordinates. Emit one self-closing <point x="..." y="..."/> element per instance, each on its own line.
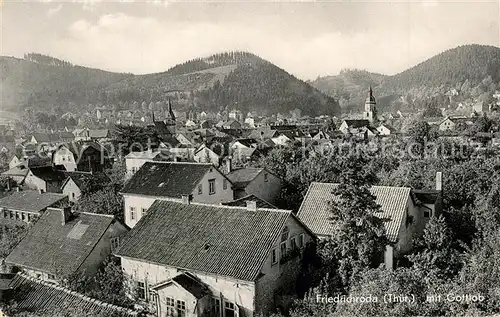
<point x="30" y="200"/>
<point x="243" y="176"/>
<point x="42" y="297"/>
<point x="166" y="179"/>
<point x="427" y="196"/>
<point x="315" y="208"/>
<point x="49" y="173"/>
<point x="16" y="171"/>
<point x="357" y="123"/>
<point x="60" y="249"/>
<point x="142" y="155"/>
<point x="246" y="142"/>
<point x="189" y="282"/>
<point x="102" y="133"/>
<point x="226" y="241"/>
<point x="242" y="202"/>
<point x="81" y="178"/>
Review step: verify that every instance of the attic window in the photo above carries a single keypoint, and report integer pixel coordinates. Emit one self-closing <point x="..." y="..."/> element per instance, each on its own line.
<point x="207" y="246"/>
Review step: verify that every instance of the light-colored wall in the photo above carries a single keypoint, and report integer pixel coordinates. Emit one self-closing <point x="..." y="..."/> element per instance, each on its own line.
<point x="279" y="278"/>
<point x="269" y="191"/>
<point x="447" y="125"/>
<point x="238" y="292"/>
<point x="138" y="202"/>
<point x="33" y="182"/>
<point x="133" y="164"/>
<point x="65" y="157"/>
<point x="194" y="307"/>
<point x="14" y="162"/>
<point x="206" y="156"/>
<point x="71" y="190"/>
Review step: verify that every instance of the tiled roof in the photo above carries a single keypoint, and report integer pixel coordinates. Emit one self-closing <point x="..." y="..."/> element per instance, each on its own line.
<point x="16" y="171"/>
<point x="165" y="179"/>
<point x="243" y="176"/>
<point x="80" y="178"/>
<point x="53" y="248"/>
<point x="227" y="241"/>
<point x="264" y="133"/>
<point x="49" y="173"/>
<point x="315" y="208"/>
<point x="357" y="123"/>
<point x="242" y="202"/>
<point x="30" y="200"/>
<point x="40" y="297"/>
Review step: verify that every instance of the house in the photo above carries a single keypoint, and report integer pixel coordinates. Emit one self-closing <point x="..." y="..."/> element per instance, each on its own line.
<point x="77" y="183"/>
<point x="480" y="107"/>
<point x="406" y="213"/>
<point x="191" y="258"/>
<point x="385" y="129"/>
<point x="254" y="181"/>
<point x="263" y="134"/>
<point x="18" y="174"/>
<point x="171" y="181"/>
<point x="454" y="123"/>
<point x="209" y="154"/>
<point x="244" y="144"/>
<point x="62" y="243"/>
<point x="40" y="297"/>
<point x="134" y="160"/>
<point x="45" y="178"/>
<point x="348" y="125"/>
<point x="282" y="139"/>
<point x="231" y="125"/>
<point x="28" y="205"/>
<point x="84" y="156"/>
<point x="16" y="160"/>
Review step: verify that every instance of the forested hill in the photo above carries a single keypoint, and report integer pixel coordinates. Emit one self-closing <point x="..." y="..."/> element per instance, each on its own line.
<point x="468" y="62"/>
<point x="230" y="80"/>
<point x="469" y="69"/>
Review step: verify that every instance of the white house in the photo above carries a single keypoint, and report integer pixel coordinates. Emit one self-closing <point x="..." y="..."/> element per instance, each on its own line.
<point x="170" y="181"/>
<point x="407" y="215"/>
<point x="190" y="258"/>
<point x="205" y="154"/>
<point x="134" y="160"/>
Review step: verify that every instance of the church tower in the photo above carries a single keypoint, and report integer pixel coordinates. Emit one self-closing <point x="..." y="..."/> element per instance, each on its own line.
<point x="370" y="112"/>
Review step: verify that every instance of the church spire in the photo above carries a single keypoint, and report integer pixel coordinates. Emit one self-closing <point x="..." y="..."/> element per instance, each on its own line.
<point x="170" y="111"/>
<point x="371" y="92"/>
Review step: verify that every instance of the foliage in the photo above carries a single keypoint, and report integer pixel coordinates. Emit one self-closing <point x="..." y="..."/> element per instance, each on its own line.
<point x="10" y="236"/>
<point x="103" y="201"/>
<point x="128" y="139"/>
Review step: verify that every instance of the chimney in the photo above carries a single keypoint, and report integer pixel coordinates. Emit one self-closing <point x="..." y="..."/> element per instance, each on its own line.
<point x="251" y="205"/>
<point x="439" y="181"/>
<point x="186" y="199"/>
<point x="65" y="214"/>
<point x="229" y="164"/>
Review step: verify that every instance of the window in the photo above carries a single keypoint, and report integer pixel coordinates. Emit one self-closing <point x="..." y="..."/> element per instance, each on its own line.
<point x="115" y="243"/>
<point x="275" y="256"/>
<point x="51" y="276"/>
<point x="18" y="216"/>
<point x="224" y="184"/>
<point x="215" y="306"/>
<point x="293" y="243"/>
<point x="23" y="216"/>
<point x="141" y="290"/>
<point x="301" y="240"/>
<point x="143" y="211"/>
<point x="200" y="189"/>
<point x="282" y="249"/>
<point x="181" y="308"/>
<point x="211" y="186"/>
<point x="63" y="159"/>
<point x="266" y="177"/>
<point x="6" y="213"/>
<point x="427" y="214"/>
<point x="170" y="303"/>
<point x="284" y="234"/>
<point x="132" y="213"/>
<point x="230" y="310"/>
<point x="73" y="195"/>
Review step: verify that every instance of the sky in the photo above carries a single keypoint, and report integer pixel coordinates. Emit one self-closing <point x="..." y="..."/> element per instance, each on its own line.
<point x="308" y="39"/>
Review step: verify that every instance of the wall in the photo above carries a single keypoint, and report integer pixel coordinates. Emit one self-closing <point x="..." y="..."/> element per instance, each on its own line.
<point x="72" y="191"/>
<point x="65" y="157"/>
<point x="133" y="165"/>
<point x="176" y="292"/>
<point x="139" y="202"/>
<point x="221" y="195"/>
<point x="240" y="293"/>
<point x="33" y="182"/>
<point x="269" y="191"/>
<point x="279" y="278"/>
<point x="206" y="155"/>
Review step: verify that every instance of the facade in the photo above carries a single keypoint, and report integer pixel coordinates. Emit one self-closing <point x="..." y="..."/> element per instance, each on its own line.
<point x="204" y="154"/>
<point x="84" y="241"/>
<point x="231" y="274"/>
<point x="77" y="183"/>
<point x="171" y="181"/>
<point x="407" y="215"/>
<point x="47" y="179"/>
<point x="86" y="156"/>
<point x="134" y="160"/>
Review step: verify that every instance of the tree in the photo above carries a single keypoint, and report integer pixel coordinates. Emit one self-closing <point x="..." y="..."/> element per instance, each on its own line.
<point x="104" y="201"/>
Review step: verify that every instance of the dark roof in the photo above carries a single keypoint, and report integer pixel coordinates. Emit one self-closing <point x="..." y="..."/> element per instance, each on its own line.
<point x="30" y="200"/>
<point x="243" y="176"/>
<point x="315" y="208"/>
<point x="242" y="202"/>
<point x="53" y="248"/>
<point x="16" y="171"/>
<point x="49" y="173"/>
<point x="38" y="160"/>
<point x="247" y="142"/>
<point x="264" y="133"/>
<point x="192" y="284"/>
<point x="222" y="240"/>
<point x="78" y="148"/>
<point x="38" y="297"/>
<point x="81" y="178"/>
<point x="427" y="196"/>
<point x="166" y="179"/>
<point x="357" y="123"/>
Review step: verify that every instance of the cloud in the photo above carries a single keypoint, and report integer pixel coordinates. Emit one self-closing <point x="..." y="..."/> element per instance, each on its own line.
<point x="55" y="10"/>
